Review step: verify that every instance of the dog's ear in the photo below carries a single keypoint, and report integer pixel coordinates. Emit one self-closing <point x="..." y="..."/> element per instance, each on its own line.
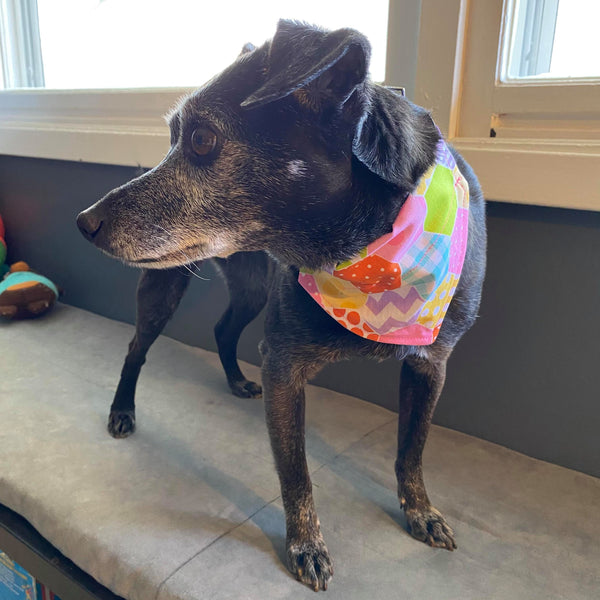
<point x="396" y="139"/>
<point x="247" y="48"/>
<point x="392" y="137"/>
<point x="333" y="63"/>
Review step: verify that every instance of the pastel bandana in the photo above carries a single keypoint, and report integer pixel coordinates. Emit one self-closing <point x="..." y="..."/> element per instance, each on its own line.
<point x="397" y="290"/>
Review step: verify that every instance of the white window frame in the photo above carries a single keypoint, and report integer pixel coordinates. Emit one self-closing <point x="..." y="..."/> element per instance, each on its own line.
<point x="104" y="126"/>
<point x="119" y="127"/>
<point x="546" y="149"/>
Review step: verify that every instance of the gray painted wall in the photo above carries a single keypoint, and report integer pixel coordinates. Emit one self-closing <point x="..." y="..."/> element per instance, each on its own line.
<point x="526" y="376"/>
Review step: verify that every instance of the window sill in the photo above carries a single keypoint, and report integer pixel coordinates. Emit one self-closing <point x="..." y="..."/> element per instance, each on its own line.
<point x="123" y="127"/>
<point x="126" y="127"/>
<point x="93" y="142"/>
<point x="559" y="173"/>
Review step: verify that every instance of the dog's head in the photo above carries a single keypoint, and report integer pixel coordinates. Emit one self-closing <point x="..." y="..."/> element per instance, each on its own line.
<point x="287" y="150"/>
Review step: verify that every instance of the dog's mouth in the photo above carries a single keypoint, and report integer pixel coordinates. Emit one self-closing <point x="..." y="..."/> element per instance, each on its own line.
<point x="181" y="256"/>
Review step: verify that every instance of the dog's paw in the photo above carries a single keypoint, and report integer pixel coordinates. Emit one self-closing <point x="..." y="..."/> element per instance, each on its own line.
<point x="245" y="389"/>
<point x="310" y="563"/>
<point x="121" y="424"/>
<point x="429" y="526"/>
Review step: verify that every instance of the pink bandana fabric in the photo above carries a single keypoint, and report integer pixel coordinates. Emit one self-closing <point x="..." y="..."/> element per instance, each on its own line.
<point x="397" y="290"/>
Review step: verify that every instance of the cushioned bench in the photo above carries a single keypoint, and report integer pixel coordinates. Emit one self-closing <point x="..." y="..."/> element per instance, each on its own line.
<point x="189" y="506"/>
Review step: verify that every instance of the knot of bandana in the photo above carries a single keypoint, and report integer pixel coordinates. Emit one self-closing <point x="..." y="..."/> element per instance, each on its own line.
<point x="397" y="290"/>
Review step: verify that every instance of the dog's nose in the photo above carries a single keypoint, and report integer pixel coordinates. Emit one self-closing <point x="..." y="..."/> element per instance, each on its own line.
<point x="89" y="224"/>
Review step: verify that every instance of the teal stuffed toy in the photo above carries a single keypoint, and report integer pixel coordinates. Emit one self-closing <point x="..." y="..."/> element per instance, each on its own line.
<point x="3" y="267"/>
<point x="23" y="293"/>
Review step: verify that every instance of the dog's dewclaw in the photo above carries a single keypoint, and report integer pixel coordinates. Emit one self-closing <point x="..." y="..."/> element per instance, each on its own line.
<point x="429" y="526"/>
<point x="311" y="564"/>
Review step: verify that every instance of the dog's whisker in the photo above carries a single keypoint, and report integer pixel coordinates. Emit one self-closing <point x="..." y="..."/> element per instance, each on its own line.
<point x="194" y="272"/>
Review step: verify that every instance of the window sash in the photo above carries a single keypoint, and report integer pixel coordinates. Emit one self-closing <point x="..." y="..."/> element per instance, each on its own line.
<point x="485" y="93"/>
<point x="20" y="44"/>
<point x="546" y="134"/>
<point x="531" y="38"/>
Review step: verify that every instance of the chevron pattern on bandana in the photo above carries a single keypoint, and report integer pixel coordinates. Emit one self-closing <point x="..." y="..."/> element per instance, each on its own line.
<point x="397" y="290"/>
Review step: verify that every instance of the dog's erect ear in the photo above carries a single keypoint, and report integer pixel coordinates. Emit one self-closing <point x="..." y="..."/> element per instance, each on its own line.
<point x="393" y="138"/>
<point x="396" y="140"/>
<point x="335" y="61"/>
<point x="247" y="48"/>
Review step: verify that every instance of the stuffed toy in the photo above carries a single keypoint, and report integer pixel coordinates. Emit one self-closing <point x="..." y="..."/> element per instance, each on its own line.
<point x="3" y="267"/>
<point x="23" y="293"/>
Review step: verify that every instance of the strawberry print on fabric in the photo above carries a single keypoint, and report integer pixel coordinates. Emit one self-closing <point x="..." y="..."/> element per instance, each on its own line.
<point x="372" y="275"/>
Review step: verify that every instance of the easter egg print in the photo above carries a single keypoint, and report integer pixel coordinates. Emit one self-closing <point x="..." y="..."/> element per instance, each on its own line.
<point x="372" y="275"/>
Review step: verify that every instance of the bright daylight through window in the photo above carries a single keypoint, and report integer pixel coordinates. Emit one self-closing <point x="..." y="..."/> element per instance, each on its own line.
<point x="89" y="44"/>
<point x="553" y="39"/>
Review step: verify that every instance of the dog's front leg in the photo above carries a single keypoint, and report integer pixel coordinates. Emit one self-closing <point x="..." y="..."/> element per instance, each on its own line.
<point x="420" y="387"/>
<point x="307" y="554"/>
<point x="158" y="294"/>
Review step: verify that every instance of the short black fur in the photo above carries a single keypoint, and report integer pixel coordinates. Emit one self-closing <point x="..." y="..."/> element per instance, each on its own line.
<point x="313" y="163"/>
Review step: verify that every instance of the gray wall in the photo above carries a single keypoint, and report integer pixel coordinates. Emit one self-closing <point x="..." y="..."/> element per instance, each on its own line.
<point x="526" y="376"/>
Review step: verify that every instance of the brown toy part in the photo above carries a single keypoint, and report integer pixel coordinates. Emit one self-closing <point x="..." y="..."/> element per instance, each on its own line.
<point x="26" y="301"/>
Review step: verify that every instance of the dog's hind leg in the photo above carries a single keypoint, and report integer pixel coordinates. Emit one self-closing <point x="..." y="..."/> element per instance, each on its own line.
<point x="246" y="276"/>
<point x="420" y="387"/>
<point x="158" y="295"/>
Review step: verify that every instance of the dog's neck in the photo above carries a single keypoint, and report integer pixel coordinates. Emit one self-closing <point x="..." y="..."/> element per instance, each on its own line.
<point x="359" y="215"/>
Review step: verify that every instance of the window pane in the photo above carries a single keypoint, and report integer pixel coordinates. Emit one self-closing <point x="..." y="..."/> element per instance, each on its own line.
<point x="146" y="43"/>
<point x="554" y="38"/>
<point x="576" y="51"/>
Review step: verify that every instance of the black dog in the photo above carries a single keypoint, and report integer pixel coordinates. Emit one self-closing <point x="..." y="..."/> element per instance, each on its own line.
<point x="290" y="159"/>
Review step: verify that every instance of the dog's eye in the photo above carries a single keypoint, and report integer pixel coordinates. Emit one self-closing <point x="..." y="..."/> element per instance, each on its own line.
<point x="204" y="141"/>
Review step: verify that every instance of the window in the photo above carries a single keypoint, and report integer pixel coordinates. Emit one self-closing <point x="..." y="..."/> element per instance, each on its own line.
<point x="98" y="48"/>
<point x="514" y="86"/>
<point x="147" y="44"/>
<point x="20" y="57"/>
<point x="552" y="39"/>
